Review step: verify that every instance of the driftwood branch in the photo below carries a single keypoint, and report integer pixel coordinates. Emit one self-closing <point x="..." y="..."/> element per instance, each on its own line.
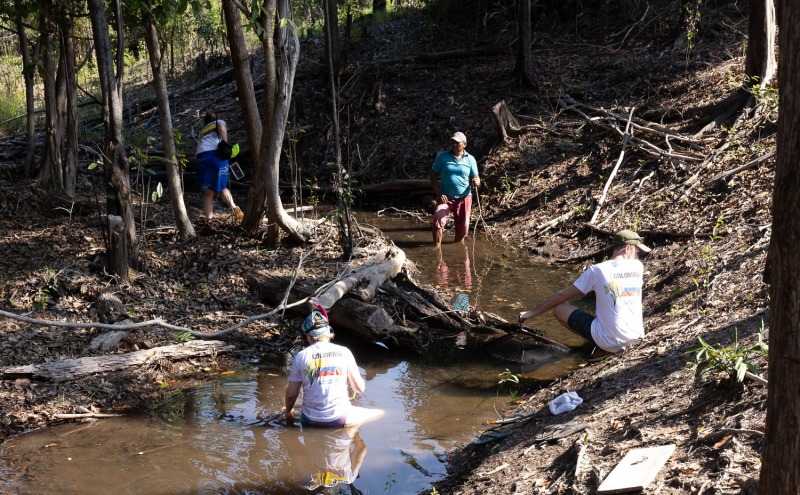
<point x="614" y="170"/>
<point x="70" y="369"/>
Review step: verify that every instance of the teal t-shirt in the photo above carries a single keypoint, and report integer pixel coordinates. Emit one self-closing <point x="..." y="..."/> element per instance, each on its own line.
<point x="454" y="174"/>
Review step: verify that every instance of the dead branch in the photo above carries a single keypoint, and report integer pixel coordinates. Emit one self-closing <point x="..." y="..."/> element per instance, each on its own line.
<point x="70" y="369"/>
<point x="626" y="137"/>
<point x="742" y="168"/>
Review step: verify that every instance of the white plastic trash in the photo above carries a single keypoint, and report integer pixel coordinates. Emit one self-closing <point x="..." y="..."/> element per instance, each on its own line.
<point x="565" y="402"/>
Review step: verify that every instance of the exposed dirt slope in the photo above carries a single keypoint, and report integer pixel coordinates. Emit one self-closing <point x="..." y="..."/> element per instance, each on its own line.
<point x="704" y="277"/>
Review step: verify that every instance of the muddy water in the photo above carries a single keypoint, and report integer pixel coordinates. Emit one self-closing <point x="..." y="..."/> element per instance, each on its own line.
<point x="226" y="437"/>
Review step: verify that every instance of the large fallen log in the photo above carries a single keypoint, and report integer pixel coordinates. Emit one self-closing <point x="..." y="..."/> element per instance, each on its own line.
<point x="70" y="369"/>
<point x="364" y="280"/>
<point x="360" y="319"/>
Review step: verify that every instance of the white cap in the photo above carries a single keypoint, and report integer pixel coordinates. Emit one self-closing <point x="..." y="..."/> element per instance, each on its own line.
<point x="459" y="137"/>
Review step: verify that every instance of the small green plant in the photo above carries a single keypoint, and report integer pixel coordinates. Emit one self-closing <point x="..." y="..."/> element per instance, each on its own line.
<point x="434" y="491"/>
<point x="49" y="287"/>
<point x="390" y="482"/>
<point x="184" y="337"/>
<point x="734" y="361"/>
<point x="508" y="377"/>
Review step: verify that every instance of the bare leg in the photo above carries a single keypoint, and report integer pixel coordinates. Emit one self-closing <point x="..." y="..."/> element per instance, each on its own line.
<point x="360" y="415"/>
<point x="437" y="236"/>
<point x="562" y="312"/>
<point x="208" y="203"/>
<point x="225" y="196"/>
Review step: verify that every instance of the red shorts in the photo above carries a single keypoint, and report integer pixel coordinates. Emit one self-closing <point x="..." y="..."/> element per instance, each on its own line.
<point x="460" y="208"/>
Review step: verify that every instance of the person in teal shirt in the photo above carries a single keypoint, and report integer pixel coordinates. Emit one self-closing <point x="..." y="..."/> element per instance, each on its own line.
<point x="453" y="173"/>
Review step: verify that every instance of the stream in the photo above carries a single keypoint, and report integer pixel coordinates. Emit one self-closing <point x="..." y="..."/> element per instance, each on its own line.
<point x="226" y="436"/>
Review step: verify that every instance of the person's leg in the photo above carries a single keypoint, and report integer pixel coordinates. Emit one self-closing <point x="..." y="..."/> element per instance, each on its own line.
<point x="461" y="217"/>
<point x="360" y="415"/>
<point x="575" y="320"/>
<point x="208" y="203"/>
<point x="439" y="221"/>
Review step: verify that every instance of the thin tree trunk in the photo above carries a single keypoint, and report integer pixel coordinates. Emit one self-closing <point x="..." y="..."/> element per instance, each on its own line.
<point x="182" y="222"/>
<point x="780" y="471"/>
<point x="70" y="105"/>
<point x="244" y="78"/>
<point x="29" y="73"/>
<point x="523" y="66"/>
<point x="122" y="230"/>
<point x="50" y="167"/>
<point x="760" y="64"/>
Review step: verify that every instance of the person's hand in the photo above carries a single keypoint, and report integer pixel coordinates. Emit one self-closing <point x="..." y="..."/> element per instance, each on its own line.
<point x="289" y="416"/>
<point x="476" y="181"/>
<point x="521" y="318"/>
<point x="443" y="199"/>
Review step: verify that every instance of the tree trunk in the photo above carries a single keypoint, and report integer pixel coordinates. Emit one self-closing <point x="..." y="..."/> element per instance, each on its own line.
<point x="182" y="222"/>
<point x="115" y="163"/>
<point x="342" y="183"/>
<point x="244" y="78"/>
<point x="29" y="58"/>
<point x="265" y="193"/>
<point x="68" y="91"/>
<point x="50" y="167"/>
<point x="760" y="64"/>
<point x="780" y="471"/>
<point x="522" y="70"/>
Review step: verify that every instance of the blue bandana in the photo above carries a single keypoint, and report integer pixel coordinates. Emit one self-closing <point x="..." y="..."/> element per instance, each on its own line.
<point x="316" y="324"/>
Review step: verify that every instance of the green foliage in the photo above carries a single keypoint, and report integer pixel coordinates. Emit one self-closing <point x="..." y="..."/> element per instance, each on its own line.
<point x="183" y="337"/>
<point x="390" y="482"/>
<point x="170" y="408"/>
<point x="48" y="287"/>
<point x="734" y="360"/>
<point x="506" y="377"/>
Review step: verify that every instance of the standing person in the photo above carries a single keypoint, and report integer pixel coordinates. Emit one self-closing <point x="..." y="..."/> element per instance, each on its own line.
<point x="212" y="171"/>
<point x="617" y="284"/>
<point x="451" y="175"/>
<point x="324" y="371"/>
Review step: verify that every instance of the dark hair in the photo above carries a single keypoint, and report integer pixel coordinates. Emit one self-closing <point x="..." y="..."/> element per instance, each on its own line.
<point x="209" y="117"/>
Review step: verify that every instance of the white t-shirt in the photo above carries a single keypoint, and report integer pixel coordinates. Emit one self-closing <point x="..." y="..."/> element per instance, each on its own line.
<point x="322" y="368"/>
<point x="618" y="287"/>
<point x="209" y="138"/>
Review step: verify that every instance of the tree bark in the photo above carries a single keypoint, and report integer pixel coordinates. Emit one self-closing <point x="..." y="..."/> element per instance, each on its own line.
<point x="115" y="164"/>
<point x="182" y="222"/>
<point x="277" y="111"/>
<point x="29" y="57"/>
<point x="760" y="64"/>
<point x="244" y="78"/>
<point x="70" y="369"/>
<point x="522" y="70"/>
<point x="780" y="471"/>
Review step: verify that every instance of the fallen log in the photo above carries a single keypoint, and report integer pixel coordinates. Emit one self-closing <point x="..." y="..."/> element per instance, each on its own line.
<point x="364" y="280"/>
<point x="360" y="319"/>
<point x="70" y="369"/>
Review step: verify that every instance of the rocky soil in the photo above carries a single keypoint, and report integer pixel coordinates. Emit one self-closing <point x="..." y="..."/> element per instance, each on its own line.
<point x="542" y="188"/>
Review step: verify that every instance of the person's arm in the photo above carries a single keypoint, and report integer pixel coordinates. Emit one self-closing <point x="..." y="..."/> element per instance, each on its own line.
<point x="475" y="178"/>
<point x="292" y="393"/>
<point x="437" y="188"/>
<point x="222" y="130"/>
<point x="357" y="455"/>
<point x="355" y="381"/>
<point x="551" y="302"/>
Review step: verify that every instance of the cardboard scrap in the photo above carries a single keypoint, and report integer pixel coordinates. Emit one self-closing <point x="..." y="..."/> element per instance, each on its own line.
<point x="636" y="470"/>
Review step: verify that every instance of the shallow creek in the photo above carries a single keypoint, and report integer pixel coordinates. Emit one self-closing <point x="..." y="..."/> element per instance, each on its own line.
<point x="225" y="437"/>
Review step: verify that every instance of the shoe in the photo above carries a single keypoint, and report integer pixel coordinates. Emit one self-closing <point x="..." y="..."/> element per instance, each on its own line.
<point x="238" y="214"/>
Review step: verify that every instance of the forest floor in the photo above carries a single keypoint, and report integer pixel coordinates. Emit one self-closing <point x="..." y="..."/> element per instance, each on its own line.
<point x="541" y="189"/>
